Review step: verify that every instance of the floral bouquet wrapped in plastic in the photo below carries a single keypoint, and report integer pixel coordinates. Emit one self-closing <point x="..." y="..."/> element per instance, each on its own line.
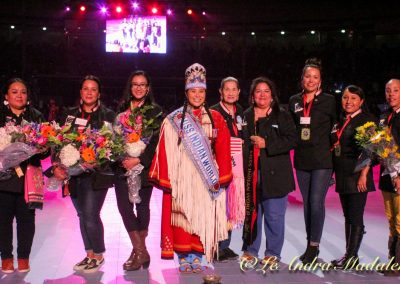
<point x="78" y="152"/>
<point x="132" y="133"/>
<point x="378" y="142"/>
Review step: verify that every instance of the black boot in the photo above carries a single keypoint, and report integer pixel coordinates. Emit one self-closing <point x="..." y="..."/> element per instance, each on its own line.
<point x="392" y="246"/>
<point x="301" y="257"/>
<point x="350" y="259"/>
<point x="394" y="272"/>
<point x="310" y="254"/>
<point x="347" y="229"/>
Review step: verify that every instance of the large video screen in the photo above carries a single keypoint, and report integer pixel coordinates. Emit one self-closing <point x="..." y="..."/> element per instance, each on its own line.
<point x="137" y="34"/>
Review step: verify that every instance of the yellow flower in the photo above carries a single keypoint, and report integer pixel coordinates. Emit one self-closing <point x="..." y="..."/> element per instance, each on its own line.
<point x="385" y="153"/>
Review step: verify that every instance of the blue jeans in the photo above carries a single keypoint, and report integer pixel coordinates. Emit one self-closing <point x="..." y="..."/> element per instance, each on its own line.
<point x="272" y="211"/>
<point x="88" y="204"/>
<point x="314" y="186"/>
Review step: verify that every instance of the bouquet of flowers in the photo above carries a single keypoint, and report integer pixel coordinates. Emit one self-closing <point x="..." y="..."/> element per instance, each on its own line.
<point x="14" y="147"/>
<point x="82" y="151"/>
<point x="379" y="142"/>
<point x="132" y="134"/>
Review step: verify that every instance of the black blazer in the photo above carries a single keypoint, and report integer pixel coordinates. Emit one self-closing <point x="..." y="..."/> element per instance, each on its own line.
<point x="11" y="182"/>
<point x="385" y="182"/>
<point x="315" y="153"/>
<point x="279" y="133"/>
<point x="147" y="157"/>
<point x="344" y="165"/>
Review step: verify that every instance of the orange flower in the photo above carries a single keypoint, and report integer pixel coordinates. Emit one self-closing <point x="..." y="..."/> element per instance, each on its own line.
<point x="133" y="137"/>
<point x="47" y="131"/>
<point x="88" y="155"/>
<point x="81" y="137"/>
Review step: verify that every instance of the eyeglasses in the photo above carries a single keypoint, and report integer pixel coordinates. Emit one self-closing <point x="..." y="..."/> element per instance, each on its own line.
<point x="141" y="86"/>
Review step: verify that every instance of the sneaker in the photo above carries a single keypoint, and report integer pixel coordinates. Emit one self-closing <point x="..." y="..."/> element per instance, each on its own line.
<point x="7" y="265"/>
<point x="23" y="265"/>
<point x="230" y="253"/>
<point x="269" y="261"/>
<point x="82" y="264"/>
<point x="94" y="265"/>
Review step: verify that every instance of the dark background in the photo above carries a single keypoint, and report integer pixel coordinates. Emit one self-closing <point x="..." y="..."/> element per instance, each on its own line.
<point x="55" y="60"/>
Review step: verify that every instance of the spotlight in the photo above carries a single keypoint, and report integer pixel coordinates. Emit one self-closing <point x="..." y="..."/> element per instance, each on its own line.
<point x="154" y="10"/>
<point x="118" y="9"/>
<point x="67" y="9"/>
<point x="44" y="28"/>
<point x="135" y="5"/>
<point x="253" y="33"/>
<point x="223" y="33"/>
<point x="82" y="8"/>
<point x="312" y="32"/>
<point x="12" y="27"/>
<point x="343" y="31"/>
<point x="203" y="13"/>
<point x="338" y="91"/>
<point x="282" y="32"/>
<point x="190" y="11"/>
<point x="169" y="12"/>
<point x="103" y="10"/>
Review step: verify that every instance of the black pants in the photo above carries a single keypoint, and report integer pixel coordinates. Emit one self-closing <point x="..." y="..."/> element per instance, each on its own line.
<point x="12" y="205"/>
<point x="353" y="205"/>
<point x="133" y="222"/>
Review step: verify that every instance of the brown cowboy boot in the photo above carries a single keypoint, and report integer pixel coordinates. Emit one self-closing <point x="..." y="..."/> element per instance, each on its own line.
<point x="141" y="255"/>
<point x="129" y="261"/>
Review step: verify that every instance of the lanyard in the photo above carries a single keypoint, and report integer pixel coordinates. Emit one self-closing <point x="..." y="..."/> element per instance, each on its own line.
<point x="234" y="126"/>
<point x="340" y="131"/>
<point x="306" y="111"/>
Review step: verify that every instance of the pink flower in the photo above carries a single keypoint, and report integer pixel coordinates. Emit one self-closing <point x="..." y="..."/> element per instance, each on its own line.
<point x="139" y="119"/>
<point x="42" y="141"/>
<point x="100" y="141"/>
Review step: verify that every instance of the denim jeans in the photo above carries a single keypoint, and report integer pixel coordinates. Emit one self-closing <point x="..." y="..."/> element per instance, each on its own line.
<point x="13" y="205"/>
<point x="88" y="204"/>
<point x="314" y="186"/>
<point x="272" y="212"/>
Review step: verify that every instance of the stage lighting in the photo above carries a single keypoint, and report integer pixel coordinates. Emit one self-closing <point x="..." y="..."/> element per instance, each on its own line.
<point x="203" y="13"/>
<point x="282" y="32"/>
<point x="82" y="8"/>
<point x="44" y="28"/>
<point x="103" y="10"/>
<point x="169" y="12"/>
<point x="343" y="31"/>
<point x="67" y="9"/>
<point x="223" y="33"/>
<point x="135" y="5"/>
<point x="154" y="10"/>
<point x="118" y="9"/>
<point x="253" y="33"/>
<point x="190" y="11"/>
<point x="312" y="32"/>
<point x="12" y="27"/>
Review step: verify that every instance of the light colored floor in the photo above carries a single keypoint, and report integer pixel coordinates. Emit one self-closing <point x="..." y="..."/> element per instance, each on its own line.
<point x="57" y="246"/>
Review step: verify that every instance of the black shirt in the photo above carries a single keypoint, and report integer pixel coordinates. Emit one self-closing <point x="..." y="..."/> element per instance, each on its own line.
<point x="314" y="153"/>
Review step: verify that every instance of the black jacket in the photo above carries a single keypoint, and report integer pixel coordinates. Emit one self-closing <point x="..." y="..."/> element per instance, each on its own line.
<point x="385" y="182"/>
<point x="228" y="118"/>
<point x="147" y="157"/>
<point x="276" y="169"/>
<point x="13" y="183"/>
<point x="344" y="165"/>
<point x="314" y="153"/>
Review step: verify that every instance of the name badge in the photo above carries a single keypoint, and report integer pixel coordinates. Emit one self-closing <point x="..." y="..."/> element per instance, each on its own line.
<point x="305" y="120"/>
<point x="338" y="150"/>
<point x="81" y="121"/>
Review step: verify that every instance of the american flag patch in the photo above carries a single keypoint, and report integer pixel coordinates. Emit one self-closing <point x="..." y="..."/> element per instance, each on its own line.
<point x="236" y="145"/>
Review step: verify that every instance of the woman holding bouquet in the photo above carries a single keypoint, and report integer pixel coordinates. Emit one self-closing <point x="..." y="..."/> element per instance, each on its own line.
<point x="193" y="166"/>
<point x="314" y="113"/>
<point x="87" y="193"/>
<point x="353" y="187"/>
<point x="138" y="108"/>
<point x="390" y="184"/>
<point x="13" y="204"/>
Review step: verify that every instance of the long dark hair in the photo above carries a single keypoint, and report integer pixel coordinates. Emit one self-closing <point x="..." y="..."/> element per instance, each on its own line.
<point x="127" y="94"/>
<point x="274" y="92"/>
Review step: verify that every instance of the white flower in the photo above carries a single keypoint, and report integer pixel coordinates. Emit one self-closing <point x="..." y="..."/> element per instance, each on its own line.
<point x="135" y="149"/>
<point x="5" y="138"/>
<point x="69" y="155"/>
